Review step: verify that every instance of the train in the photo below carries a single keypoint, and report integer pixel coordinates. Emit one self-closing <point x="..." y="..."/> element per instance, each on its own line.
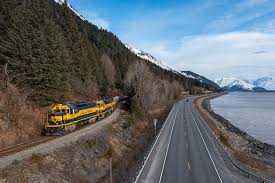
<point x="67" y="117"/>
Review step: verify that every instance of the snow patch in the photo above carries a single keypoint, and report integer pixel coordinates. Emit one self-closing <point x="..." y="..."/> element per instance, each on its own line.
<point x="147" y="56"/>
<point x="69" y="5"/>
<point x="190" y="76"/>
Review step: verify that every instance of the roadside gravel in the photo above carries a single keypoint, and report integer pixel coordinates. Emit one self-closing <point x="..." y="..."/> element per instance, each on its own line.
<point x="247" y="152"/>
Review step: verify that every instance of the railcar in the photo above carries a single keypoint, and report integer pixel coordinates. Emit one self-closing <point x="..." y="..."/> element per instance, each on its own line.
<point x="66" y="117"/>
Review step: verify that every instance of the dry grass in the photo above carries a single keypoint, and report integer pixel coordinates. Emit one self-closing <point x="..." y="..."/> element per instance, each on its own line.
<point x="37" y="158"/>
<point x="19" y="120"/>
<point x="254" y="164"/>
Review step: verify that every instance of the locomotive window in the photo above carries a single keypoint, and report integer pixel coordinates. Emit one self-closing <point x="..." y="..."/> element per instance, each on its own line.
<point x="64" y="110"/>
<point x="68" y="111"/>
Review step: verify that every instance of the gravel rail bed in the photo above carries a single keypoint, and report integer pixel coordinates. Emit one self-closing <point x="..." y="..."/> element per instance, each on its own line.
<point x="60" y="142"/>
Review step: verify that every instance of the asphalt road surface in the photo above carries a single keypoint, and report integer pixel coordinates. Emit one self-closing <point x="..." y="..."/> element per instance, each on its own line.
<point x="185" y="152"/>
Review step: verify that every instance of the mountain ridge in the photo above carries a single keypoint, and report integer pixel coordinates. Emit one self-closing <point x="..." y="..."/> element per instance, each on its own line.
<point x="238" y="84"/>
<point x="202" y="79"/>
<point x="188" y="74"/>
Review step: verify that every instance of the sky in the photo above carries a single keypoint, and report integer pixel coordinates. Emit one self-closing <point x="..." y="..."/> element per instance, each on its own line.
<point x="221" y="38"/>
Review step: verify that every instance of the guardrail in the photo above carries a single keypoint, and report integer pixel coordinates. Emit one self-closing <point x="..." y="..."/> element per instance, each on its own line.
<point x="247" y="172"/>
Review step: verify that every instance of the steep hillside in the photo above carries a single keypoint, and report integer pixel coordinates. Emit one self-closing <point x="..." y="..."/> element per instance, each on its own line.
<point x="50" y="48"/>
<point x="50" y="54"/>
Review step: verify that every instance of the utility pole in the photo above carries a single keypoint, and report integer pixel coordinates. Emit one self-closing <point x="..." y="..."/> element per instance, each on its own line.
<point x="111" y="171"/>
<point x="155" y="124"/>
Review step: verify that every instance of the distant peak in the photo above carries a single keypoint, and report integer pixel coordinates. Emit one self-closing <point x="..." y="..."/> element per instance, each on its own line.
<point x="233" y="83"/>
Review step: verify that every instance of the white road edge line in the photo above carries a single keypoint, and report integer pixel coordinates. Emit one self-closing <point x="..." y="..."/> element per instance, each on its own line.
<point x="189" y="167"/>
<point x="147" y="158"/>
<point x="164" y="162"/>
<point x="206" y="146"/>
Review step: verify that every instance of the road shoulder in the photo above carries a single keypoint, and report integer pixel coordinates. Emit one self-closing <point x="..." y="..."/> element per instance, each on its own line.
<point x="236" y="147"/>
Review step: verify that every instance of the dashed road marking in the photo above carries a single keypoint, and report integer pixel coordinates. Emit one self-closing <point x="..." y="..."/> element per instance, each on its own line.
<point x="206" y="146"/>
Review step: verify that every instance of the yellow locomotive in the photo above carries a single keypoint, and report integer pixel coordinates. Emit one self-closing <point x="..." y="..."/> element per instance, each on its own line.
<point x="66" y="117"/>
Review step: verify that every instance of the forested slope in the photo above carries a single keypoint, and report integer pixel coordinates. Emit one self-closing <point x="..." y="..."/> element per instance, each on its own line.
<point x="48" y="55"/>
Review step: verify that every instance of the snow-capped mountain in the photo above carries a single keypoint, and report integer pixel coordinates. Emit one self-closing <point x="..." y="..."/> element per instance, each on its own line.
<point x="265" y="82"/>
<point x="234" y="84"/>
<point x="237" y="84"/>
<point x="147" y="56"/>
<point x="188" y="74"/>
<point x="69" y="5"/>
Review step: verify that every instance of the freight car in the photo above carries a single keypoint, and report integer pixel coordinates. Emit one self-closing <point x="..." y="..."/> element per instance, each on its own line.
<point x="66" y="117"/>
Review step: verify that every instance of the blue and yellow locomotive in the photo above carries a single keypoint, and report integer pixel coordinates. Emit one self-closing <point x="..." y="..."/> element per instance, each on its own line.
<point x="66" y="117"/>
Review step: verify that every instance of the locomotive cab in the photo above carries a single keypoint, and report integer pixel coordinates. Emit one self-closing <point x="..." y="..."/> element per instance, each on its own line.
<point x="57" y="114"/>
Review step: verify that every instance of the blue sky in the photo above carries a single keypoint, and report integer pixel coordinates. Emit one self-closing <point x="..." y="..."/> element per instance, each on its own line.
<point x="213" y="38"/>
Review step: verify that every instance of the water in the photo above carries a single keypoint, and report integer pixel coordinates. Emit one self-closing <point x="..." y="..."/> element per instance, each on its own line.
<point x="253" y="113"/>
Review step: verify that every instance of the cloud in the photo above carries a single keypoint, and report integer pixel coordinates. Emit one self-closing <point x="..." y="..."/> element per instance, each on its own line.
<point x="96" y="20"/>
<point x="239" y="42"/>
<point x="222" y="54"/>
<point x="244" y="15"/>
<point x="212" y="38"/>
<point x="259" y="52"/>
<point x="253" y="2"/>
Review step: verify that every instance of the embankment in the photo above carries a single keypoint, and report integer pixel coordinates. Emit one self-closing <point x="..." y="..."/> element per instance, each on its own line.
<point x="85" y="155"/>
<point x="246" y="151"/>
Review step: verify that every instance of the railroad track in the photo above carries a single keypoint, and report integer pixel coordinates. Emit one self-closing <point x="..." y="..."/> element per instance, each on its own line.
<point x="23" y="146"/>
<point x="26" y="145"/>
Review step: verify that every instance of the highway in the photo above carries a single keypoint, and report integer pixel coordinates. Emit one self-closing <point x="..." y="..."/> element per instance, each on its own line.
<point x="185" y="151"/>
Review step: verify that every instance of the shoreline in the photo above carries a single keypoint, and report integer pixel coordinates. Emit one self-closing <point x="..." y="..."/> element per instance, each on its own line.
<point x="270" y="149"/>
<point x="245" y="150"/>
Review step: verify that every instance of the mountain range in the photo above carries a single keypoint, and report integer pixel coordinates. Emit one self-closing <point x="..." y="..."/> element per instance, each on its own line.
<point x="188" y="74"/>
<point x="146" y="56"/>
<point x="56" y="55"/>
<point x="238" y="84"/>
